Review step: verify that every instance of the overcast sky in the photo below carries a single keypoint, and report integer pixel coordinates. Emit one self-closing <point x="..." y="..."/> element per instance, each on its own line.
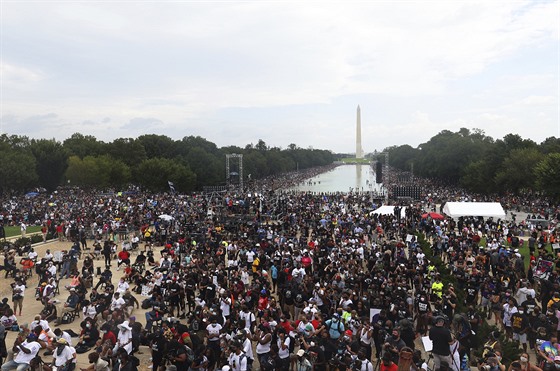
<point x="284" y="72"/>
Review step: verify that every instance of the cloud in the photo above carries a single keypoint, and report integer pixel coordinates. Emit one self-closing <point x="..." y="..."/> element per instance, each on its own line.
<point x="142" y="124"/>
<point x="536" y="100"/>
<point x="294" y="74"/>
<point x="13" y="73"/>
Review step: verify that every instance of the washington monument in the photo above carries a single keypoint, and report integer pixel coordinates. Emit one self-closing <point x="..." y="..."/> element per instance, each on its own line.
<point x="359" y="149"/>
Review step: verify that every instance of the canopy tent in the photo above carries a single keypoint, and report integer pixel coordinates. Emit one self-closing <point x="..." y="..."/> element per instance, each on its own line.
<point x="433" y="216"/>
<point x="485" y="209"/>
<point x="388" y="210"/>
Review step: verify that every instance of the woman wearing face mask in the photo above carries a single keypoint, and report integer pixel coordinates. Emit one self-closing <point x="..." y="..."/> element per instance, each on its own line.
<point x="88" y="337"/>
<point x="524" y="364"/>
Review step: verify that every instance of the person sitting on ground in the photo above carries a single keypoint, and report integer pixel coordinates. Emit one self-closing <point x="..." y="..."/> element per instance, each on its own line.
<point x="97" y="363"/>
<point x="64" y="356"/>
<point x="88" y="336"/>
<point x="9" y="320"/>
<point x="105" y="345"/>
<point x="63" y="334"/>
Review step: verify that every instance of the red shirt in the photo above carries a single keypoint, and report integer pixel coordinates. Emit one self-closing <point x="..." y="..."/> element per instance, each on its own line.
<point x="263" y="303"/>
<point x="393" y="367"/>
<point x="109" y="335"/>
<point x="123" y="255"/>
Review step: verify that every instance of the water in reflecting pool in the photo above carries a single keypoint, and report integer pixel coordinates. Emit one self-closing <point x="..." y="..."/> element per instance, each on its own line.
<point x="343" y="178"/>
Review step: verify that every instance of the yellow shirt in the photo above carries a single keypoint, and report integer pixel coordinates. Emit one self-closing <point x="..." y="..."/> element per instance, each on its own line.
<point x="256" y="263"/>
<point x="437" y="288"/>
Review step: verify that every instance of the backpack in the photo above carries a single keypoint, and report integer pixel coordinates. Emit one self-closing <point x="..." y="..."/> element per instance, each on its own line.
<point x="330" y="326"/>
<point x="292" y="345"/>
<point x="190" y="354"/>
<point x="146" y="304"/>
<point x="65" y="318"/>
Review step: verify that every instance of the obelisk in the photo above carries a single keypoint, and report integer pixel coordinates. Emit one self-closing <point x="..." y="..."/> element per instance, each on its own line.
<point x="359" y="150"/>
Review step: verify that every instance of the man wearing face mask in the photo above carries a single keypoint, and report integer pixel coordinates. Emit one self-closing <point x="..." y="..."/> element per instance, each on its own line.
<point x="64" y="356"/>
<point x="520" y="327"/>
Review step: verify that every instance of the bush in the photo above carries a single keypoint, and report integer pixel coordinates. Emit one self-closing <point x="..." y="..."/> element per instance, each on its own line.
<point x="36" y="238"/>
<point x="20" y="242"/>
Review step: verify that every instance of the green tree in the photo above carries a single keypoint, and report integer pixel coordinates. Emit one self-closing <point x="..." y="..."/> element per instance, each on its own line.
<point x="154" y="174"/>
<point x="254" y="163"/>
<point x="97" y="172"/>
<point x="517" y="171"/>
<point x="128" y="150"/>
<point x="548" y="175"/>
<point x="261" y="146"/>
<point x="550" y="145"/>
<point x="84" y="145"/>
<point x="17" y="172"/>
<point x="51" y="162"/>
<point x="207" y="167"/>
<point x="158" y="146"/>
<point x="402" y="157"/>
<point x="85" y="172"/>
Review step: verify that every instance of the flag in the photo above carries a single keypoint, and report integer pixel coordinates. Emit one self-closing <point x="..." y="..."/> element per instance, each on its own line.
<point x="171" y="186"/>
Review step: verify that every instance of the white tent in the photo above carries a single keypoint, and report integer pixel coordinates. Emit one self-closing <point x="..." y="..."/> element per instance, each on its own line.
<point x="485" y="209"/>
<point x="389" y="210"/>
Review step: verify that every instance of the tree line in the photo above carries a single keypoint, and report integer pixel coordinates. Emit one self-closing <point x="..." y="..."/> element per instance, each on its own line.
<point x="149" y="161"/>
<point x="480" y="164"/>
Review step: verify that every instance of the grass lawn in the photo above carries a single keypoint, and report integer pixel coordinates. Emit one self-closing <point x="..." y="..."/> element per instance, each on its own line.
<point x="523" y="249"/>
<point x="350" y="160"/>
<point x="16" y="231"/>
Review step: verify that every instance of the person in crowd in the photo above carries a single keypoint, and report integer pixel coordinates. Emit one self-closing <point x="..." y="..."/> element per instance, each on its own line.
<point x="26" y="351"/>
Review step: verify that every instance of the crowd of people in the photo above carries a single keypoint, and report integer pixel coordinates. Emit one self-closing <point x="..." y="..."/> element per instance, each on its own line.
<point x="277" y="280"/>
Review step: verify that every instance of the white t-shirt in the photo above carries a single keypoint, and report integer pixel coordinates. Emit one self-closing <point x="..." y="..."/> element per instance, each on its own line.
<point x="66" y="336"/>
<point x="283" y="353"/>
<point x="248" y="349"/>
<point x="23" y="357"/>
<point x="117" y="303"/>
<point x="250" y="256"/>
<point x="238" y="362"/>
<point x="21" y="288"/>
<point x="66" y="355"/>
<point x="214" y="329"/>
<point x="122" y="286"/>
<point x="249" y="318"/>
<point x="225" y="306"/>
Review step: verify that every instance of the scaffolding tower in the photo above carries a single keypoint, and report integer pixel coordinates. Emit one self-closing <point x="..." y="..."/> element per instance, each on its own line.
<point x="239" y="158"/>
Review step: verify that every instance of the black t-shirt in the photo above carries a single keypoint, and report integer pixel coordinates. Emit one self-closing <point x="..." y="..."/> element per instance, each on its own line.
<point x="519" y="322"/>
<point x="289" y="296"/>
<point x="441" y="337"/>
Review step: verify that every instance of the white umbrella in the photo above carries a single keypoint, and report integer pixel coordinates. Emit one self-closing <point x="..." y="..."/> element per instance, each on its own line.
<point x="166" y="217"/>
